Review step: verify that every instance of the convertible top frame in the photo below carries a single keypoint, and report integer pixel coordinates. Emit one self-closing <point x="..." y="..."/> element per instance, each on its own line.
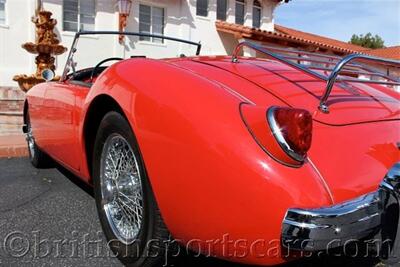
<point x="70" y="63"/>
<point x="345" y="66"/>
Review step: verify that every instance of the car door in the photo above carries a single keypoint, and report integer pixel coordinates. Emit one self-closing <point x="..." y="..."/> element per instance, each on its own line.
<point x="63" y="106"/>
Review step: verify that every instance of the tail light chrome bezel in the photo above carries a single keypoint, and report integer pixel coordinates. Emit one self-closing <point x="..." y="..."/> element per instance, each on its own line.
<point x="277" y="133"/>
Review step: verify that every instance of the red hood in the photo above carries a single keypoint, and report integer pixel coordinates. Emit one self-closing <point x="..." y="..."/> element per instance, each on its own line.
<point x="349" y="103"/>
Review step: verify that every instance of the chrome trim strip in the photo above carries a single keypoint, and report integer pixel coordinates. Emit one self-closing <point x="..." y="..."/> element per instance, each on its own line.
<point x="386" y="185"/>
<point x="322" y="179"/>
<point x="313" y="230"/>
<point x="357" y="219"/>
<point x="305" y="225"/>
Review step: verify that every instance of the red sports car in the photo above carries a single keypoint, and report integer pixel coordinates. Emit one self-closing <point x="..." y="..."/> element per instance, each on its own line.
<point x="252" y="160"/>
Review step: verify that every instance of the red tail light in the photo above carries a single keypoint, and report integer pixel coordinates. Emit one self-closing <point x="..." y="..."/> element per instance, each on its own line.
<point x="283" y="133"/>
<point x="292" y="128"/>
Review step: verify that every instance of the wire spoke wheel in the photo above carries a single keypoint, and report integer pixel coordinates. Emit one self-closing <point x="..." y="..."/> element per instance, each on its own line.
<point x="37" y="157"/>
<point x="121" y="189"/>
<point x="31" y="141"/>
<point x="126" y="205"/>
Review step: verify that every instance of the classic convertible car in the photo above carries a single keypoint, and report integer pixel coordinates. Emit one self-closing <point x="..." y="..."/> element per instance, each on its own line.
<point x="255" y="160"/>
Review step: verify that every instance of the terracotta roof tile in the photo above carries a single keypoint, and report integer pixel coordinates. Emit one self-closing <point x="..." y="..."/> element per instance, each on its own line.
<point x="292" y="35"/>
<point x="392" y="52"/>
<point x="318" y="39"/>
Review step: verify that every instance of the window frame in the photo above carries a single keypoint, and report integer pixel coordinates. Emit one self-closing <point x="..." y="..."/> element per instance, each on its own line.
<point x="207" y="9"/>
<point x="259" y="8"/>
<point x="225" y="16"/>
<point x="4" y="23"/>
<point x="243" y="3"/>
<point x="78" y="14"/>
<point x="151" y="39"/>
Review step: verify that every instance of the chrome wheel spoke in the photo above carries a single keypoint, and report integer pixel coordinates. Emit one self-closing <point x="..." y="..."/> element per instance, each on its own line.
<point x="131" y="214"/>
<point x="121" y="188"/>
<point x="134" y="209"/>
<point x="31" y="141"/>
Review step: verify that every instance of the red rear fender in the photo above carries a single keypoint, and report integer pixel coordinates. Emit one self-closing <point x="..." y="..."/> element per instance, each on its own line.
<point x="203" y="164"/>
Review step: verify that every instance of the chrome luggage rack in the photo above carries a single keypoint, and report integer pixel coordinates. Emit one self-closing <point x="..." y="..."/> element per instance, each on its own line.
<point x="328" y="68"/>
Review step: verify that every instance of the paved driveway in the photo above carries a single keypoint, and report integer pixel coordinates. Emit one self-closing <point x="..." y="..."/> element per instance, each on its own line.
<point x="47" y="218"/>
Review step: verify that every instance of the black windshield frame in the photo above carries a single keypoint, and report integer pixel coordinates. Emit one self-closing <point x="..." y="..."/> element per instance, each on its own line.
<point x="70" y="63"/>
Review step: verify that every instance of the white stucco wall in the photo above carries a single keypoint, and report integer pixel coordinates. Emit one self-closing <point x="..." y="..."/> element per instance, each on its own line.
<point x="16" y="30"/>
<point x="180" y="21"/>
<point x="90" y="48"/>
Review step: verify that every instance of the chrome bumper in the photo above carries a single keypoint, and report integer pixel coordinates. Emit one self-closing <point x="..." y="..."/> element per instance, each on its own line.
<point x="369" y="216"/>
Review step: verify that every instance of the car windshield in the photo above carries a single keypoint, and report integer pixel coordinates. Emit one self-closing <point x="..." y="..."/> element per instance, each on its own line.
<point x="90" y="48"/>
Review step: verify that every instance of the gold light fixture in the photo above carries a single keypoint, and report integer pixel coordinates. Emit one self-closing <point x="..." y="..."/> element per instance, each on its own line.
<point x="124" y="9"/>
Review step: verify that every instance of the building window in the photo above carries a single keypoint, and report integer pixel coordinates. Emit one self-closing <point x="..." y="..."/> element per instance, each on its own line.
<point x="2" y="11"/>
<point x="79" y="15"/>
<point x="202" y="8"/>
<point x="239" y="12"/>
<point x="256" y="14"/>
<point x="222" y="7"/>
<point x="151" y="20"/>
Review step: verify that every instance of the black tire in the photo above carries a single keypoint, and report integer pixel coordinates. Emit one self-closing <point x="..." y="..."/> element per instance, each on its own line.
<point x="37" y="157"/>
<point x="140" y="252"/>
